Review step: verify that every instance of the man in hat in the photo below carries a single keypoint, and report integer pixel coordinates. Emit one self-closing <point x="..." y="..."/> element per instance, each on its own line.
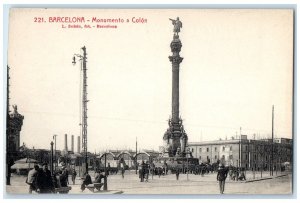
<point x="44" y="180"/>
<point x="86" y="181"/>
<point x="221" y="177"/>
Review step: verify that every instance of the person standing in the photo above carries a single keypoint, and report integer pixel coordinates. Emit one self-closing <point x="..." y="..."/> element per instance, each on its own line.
<point x="74" y="176"/>
<point x="142" y="171"/>
<point x="242" y="175"/>
<point x="147" y="171"/>
<point x="32" y="178"/>
<point x="64" y="177"/>
<point x="152" y="169"/>
<point x="165" y="168"/>
<point x="221" y="177"/>
<point x="159" y="171"/>
<point x="108" y="169"/>
<point x="122" y="166"/>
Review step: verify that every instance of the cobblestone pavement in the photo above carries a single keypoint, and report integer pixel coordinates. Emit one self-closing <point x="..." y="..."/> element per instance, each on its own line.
<point x="187" y="184"/>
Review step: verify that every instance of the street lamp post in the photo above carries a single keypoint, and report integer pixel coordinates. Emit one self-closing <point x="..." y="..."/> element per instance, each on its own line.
<point x="8" y="153"/>
<point x="84" y="102"/>
<point x="51" y="165"/>
<point x="55" y="160"/>
<point x="272" y="149"/>
<point x="28" y="158"/>
<point x="33" y="151"/>
<point x="136" y="167"/>
<point x="105" y="174"/>
<point x="187" y="172"/>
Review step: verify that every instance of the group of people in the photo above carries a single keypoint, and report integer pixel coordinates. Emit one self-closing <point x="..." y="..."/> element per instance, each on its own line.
<point x="41" y="180"/>
<point x="237" y="174"/>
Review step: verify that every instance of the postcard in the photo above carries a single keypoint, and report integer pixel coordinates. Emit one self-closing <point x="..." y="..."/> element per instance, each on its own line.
<point x="150" y="101"/>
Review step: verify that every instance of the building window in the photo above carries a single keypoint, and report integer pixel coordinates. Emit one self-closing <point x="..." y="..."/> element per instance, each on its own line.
<point x="223" y="148"/>
<point x="207" y="157"/>
<point x="230" y="148"/>
<point x="246" y="148"/>
<point x="246" y="156"/>
<point x="230" y="157"/>
<point x="223" y="157"/>
<point x="207" y="149"/>
<point x="215" y="157"/>
<point x="199" y="157"/>
<point x="215" y="149"/>
<point x="192" y="149"/>
<point x="200" y="149"/>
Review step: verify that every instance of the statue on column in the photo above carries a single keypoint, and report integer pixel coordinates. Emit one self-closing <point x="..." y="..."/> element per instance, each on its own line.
<point x="15" y="107"/>
<point x="177" y="25"/>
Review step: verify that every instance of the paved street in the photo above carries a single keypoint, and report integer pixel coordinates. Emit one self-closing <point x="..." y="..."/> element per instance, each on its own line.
<point x="195" y="184"/>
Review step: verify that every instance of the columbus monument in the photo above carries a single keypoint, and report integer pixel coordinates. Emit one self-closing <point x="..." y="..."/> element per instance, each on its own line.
<point x="175" y="138"/>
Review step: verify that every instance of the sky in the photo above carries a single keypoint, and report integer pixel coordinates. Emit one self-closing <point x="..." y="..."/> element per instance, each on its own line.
<point x="237" y="64"/>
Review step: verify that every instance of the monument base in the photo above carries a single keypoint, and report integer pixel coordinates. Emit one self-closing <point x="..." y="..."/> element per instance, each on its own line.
<point x="175" y="140"/>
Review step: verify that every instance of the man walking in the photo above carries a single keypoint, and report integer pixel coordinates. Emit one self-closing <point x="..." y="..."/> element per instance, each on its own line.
<point x="221" y="177"/>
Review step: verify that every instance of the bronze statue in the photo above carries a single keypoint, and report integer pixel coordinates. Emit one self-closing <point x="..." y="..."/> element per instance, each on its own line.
<point x="177" y="25"/>
<point x="15" y="107"/>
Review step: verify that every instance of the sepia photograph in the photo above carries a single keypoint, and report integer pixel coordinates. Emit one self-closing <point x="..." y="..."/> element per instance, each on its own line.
<point x="149" y="101"/>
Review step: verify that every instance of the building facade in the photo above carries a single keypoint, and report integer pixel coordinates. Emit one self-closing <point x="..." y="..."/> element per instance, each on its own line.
<point x="246" y="153"/>
<point x="14" y="126"/>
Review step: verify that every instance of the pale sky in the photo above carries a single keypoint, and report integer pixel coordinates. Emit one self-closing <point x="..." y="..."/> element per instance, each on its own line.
<point x="237" y="64"/>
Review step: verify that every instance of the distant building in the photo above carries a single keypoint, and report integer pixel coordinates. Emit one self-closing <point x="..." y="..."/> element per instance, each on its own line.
<point x="128" y="156"/>
<point x="250" y="154"/>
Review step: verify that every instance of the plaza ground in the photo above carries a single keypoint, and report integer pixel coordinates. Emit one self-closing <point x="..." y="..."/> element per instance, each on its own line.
<point x="280" y="183"/>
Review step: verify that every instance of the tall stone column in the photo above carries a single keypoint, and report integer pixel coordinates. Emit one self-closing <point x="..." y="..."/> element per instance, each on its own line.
<point x="175" y="138"/>
<point x="175" y="59"/>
